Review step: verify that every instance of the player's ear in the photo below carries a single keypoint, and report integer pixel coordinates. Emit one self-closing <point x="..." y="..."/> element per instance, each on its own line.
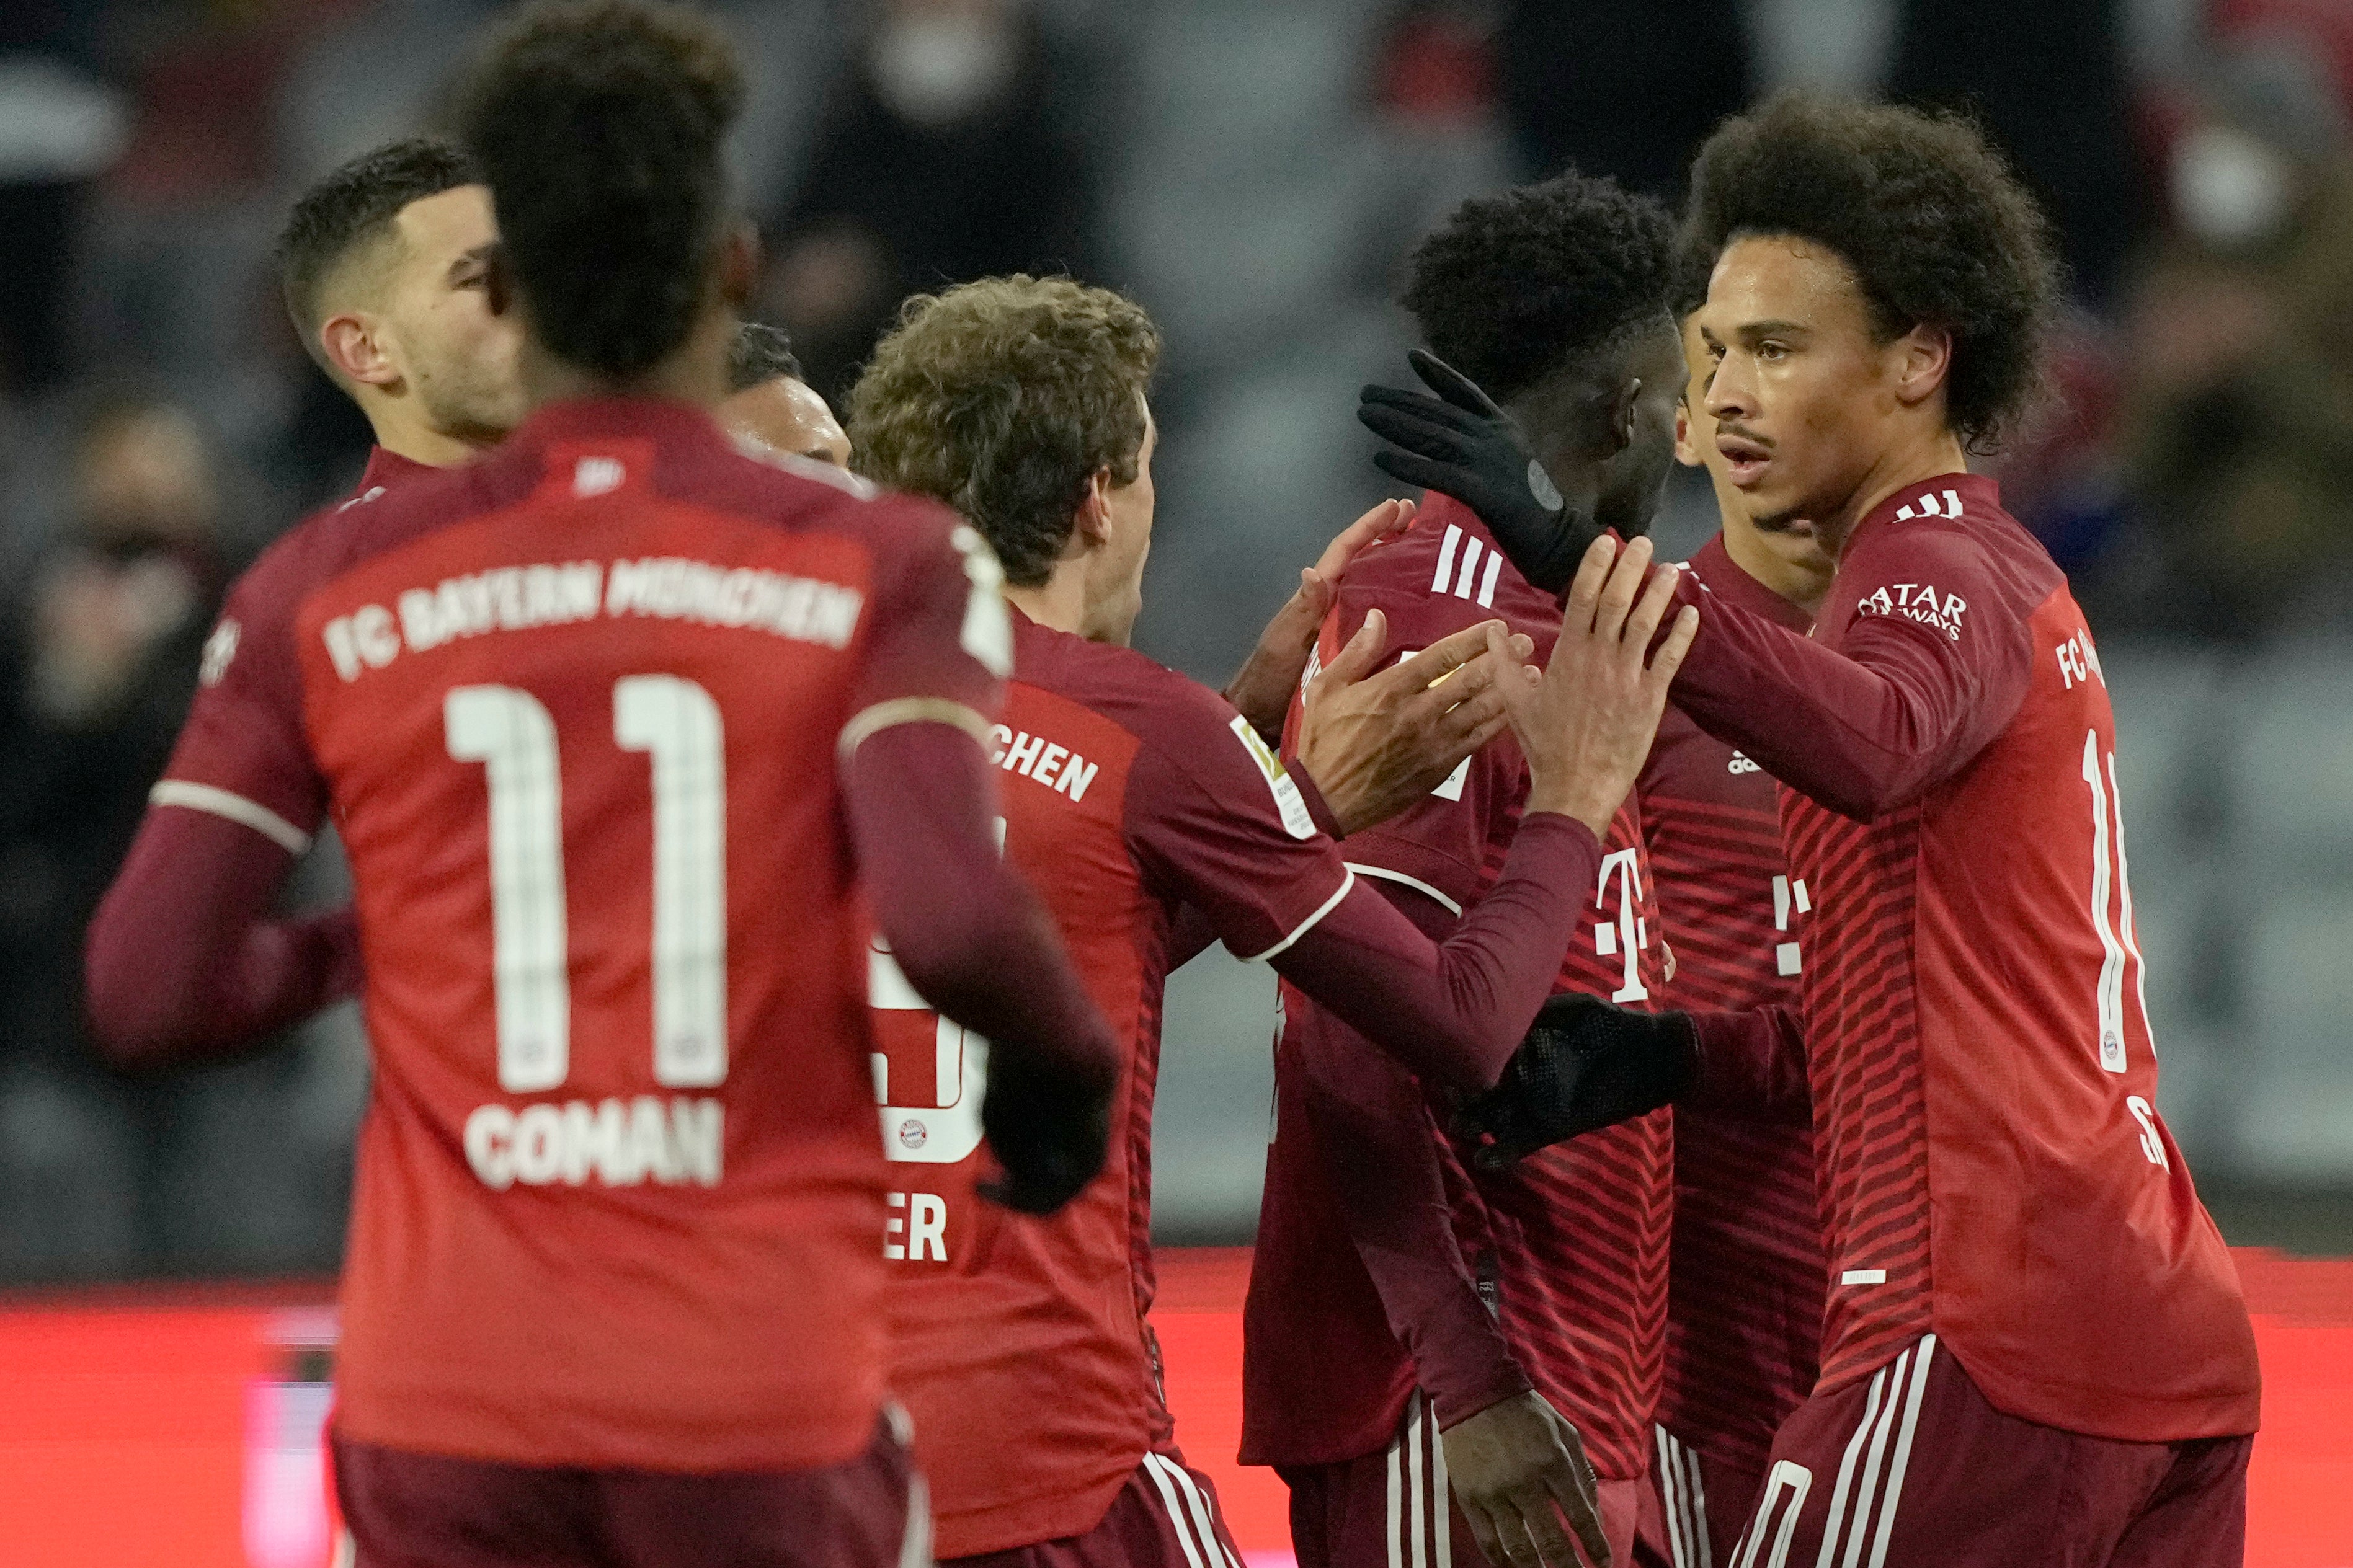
<point x="1090" y="525"/>
<point x="1621" y="433"/>
<point x="1923" y="358"/>
<point x="349" y="339"/>
<point x="1687" y="451"/>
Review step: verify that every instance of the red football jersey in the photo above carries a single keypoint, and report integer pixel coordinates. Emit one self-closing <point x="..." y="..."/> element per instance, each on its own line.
<point x="1023" y="1350"/>
<point x="576" y="709"/>
<point x="1993" y="1165"/>
<point x="1570" y="1244"/>
<point x="1745" y="1269"/>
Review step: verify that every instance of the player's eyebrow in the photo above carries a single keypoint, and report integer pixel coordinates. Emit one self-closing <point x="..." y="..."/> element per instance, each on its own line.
<point x="1750" y="331"/>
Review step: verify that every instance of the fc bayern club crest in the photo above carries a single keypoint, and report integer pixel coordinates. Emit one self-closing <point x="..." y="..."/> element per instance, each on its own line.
<point x="913" y="1133"/>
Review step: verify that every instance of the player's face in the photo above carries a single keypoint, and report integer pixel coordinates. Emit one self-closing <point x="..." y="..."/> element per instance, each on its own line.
<point x="1117" y="595"/>
<point x="1802" y="394"/>
<point x="1562" y="421"/>
<point x="1792" y="540"/>
<point x="437" y="325"/>
<point x="788" y="415"/>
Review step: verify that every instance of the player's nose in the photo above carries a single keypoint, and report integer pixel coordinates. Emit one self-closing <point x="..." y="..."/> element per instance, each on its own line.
<point x="1731" y="391"/>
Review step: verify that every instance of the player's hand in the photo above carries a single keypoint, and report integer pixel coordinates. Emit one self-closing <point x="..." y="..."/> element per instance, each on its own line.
<point x="1518" y="1468"/>
<point x="1049" y="1128"/>
<point x="1261" y="689"/>
<point x="1375" y="744"/>
<point x="1587" y="727"/>
<point x="1460" y="443"/>
<point x="1584" y="1064"/>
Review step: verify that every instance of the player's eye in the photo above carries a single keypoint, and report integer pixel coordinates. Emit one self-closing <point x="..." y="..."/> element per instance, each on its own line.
<point x="1770" y="351"/>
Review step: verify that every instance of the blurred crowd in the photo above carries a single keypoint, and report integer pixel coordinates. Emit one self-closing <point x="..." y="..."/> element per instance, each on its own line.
<point x="1251" y="170"/>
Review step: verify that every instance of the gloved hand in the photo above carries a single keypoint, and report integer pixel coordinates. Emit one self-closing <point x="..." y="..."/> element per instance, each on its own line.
<point x="1049" y="1128"/>
<point x="1583" y="1064"/>
<point x="1460" y="443"/>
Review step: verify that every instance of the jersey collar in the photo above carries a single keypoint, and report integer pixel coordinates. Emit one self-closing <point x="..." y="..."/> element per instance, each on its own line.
<point x="387" y="470"/>
<point x="1721" y="575"/>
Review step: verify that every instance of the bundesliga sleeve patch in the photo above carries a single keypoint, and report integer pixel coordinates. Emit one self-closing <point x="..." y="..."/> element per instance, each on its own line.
<point x="1296" y="819"/>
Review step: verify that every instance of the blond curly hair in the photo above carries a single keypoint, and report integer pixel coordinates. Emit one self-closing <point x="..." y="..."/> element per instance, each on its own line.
<point x="1003" y="398"/>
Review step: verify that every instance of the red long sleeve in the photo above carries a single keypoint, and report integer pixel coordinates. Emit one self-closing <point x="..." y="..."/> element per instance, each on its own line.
<point x="1904" y="703"/>
<point x="1454" y="1011"/>
<point x="970" y="936"/>
<point x="1751" y="1064"/>
<point x="1378" y="1142"/>
<point x="183" y="964"/>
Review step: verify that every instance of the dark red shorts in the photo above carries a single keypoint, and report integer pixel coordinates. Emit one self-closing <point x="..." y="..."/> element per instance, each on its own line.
<point x="1165" y="1517"/>
<point x="1911" y="1465"/>
<point x="1693" y="1507"/>
<point x="427" y="1510"/>
<point x="1394" y="1508"/>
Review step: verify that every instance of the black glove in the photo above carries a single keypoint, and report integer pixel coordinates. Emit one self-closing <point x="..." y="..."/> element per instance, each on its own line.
<point x="1460" y="443"/>
<point x="1050" y="1130"/>
<point x="1583" y="1064"/>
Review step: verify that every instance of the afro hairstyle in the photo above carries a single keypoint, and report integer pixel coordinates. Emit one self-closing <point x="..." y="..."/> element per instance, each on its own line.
<point x="1520" y="284"/>
<point x="1933" y="224"/>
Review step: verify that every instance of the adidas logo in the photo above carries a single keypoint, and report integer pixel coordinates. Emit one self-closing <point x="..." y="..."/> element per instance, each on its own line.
<point x="1741" y="764"/>
<point x="1458" y="580"/>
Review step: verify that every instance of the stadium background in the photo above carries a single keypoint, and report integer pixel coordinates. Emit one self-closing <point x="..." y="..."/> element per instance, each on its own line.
<point x="1254" y="171"/>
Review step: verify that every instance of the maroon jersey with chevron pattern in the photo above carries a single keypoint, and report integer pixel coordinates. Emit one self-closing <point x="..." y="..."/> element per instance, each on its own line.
<point x="1570" y="1245"/>
<point x="1745" y="1269"/>
<point x="1984" y="1081"/>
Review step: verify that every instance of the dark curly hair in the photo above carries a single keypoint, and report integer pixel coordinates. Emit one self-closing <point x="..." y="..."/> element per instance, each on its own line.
<point x="597" y="124"/>
<point x="1003" y="398"/>
<point x="1519" y="284"/>
<point x="761" y="353"/>
<point x="1935" y="225"/>
<point x="350" y="212"/>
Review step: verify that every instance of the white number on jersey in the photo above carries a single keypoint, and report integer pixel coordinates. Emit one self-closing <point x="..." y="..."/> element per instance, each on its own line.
<point x="948" y="1129"/>
<point x="2111" y="882"/>
<point x="508" y="731"/>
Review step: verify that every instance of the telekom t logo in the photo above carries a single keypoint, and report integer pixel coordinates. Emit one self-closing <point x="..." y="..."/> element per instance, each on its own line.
<point x="1631" y="933"/>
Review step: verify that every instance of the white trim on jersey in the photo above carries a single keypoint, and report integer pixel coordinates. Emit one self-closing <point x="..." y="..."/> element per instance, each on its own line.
<point x="1416" y="883"/>
<point x="235" y="807"/>
<point x="1881" y="1488"/>
<point x="1190" y="1515"/>
<point x="1303" y="927"/>
<point x="1420" y="1505"/>
<point x="1683" y="1497"/>
<point x="911" y="710"/>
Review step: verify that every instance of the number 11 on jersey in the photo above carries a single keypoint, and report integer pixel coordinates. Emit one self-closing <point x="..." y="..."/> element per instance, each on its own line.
<point x="512" y="734"/>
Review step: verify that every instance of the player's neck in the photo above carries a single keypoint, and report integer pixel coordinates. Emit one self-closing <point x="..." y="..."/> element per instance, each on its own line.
<point x="694" y="372"/>
<point x="1927" y="456"/>
<point x="1804" y="582"/>
<point x="401" y="433"/>
<point x="1059" y="602"/>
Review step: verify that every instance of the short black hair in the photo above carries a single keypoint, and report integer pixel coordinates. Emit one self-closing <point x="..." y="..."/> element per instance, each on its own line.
<point x="352" y="207"/>
<point x="1525" y="282"/>
<point x="761" y="353"/>
<point x="598" y="125"/>
<point x="1932" y="220"/>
